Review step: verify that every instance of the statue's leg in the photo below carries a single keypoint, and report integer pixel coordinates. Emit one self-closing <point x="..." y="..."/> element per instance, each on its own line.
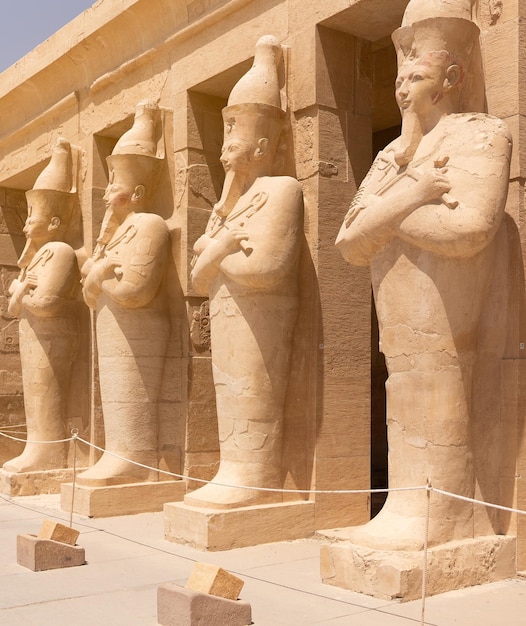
<point x="251" y="360"/>
<point x="131" y="353"/>
<point x="429" y="439"/>
<point x="47" y="349"/>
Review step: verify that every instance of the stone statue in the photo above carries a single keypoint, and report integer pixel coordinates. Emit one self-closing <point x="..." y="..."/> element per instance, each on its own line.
<point x="246" y="262"/>
<point x="424" y="219"/>
<point x="44" y="298"/>
<point x="124" y="284"/>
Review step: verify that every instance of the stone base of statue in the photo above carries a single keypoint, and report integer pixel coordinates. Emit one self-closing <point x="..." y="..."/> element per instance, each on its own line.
<point x="392" y="575"/>
<point x="34" y="483"/>
<point x="39" y="555"/>
<point x="225" y="529"/>
<point x="127" y="499"/>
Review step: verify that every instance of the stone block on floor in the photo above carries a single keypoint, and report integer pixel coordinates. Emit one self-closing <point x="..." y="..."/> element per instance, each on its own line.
<point x="43" y="554"/>
<point x="58" y="532"/>
<point x="178" y="606"/>
<point x="215" y="581"/>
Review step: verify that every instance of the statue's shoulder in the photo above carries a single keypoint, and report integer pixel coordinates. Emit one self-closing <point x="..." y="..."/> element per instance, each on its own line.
<point x="283" y="183"/>
<point x="469" y="124"/>
<point x="151" y="222"/>
<point x="281" y="188"/>
<point x="60" y="250"/>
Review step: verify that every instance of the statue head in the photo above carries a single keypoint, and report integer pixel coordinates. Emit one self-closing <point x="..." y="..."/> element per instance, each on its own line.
<point x="133" y="167"/>
<point x="134" y="162"/>
<point x="442" y="31"/>
<point x="50" y="202"/>
<point x="439" y="67"/>
<point x="253" y="122"/>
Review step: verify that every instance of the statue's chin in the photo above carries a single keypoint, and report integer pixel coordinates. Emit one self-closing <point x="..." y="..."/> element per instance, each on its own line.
<point x="232" y="191"/>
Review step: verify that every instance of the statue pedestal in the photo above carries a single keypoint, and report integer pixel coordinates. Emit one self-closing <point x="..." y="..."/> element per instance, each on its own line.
<point x="225" y="529"/>
<point x="398" y="574"/>
<point x="34" y="483"/>
<point x="128" y="499"/>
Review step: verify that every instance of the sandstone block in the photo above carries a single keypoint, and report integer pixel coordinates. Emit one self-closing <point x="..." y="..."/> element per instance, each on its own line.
<point x="42" y="554"/>
<point x="215" y="529"/>
<point x="177" y="606"/>
<point x="398" y="573"/>
<point x="58" y="532"/>
<point x="215" y="581"/>
<point x="121" y="499"/>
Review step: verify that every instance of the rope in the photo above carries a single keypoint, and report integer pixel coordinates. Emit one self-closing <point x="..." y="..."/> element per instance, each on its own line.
<point x="481" y="502"/>
<point x="427" y="487"/>
<point x="33" y="441"/>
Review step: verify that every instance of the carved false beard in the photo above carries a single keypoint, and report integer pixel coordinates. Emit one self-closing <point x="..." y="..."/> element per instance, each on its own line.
<point x="410" y="138"/>
<point x="28" y="253"/>
<point x="107" y="229"/>
<point x="232" y="190"/>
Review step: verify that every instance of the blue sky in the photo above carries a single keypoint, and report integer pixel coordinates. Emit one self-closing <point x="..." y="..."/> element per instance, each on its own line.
<point x="26" y="23"/>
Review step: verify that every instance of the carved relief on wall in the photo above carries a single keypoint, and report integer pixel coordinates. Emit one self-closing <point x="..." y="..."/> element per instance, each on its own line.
<point x="200" y="327"/>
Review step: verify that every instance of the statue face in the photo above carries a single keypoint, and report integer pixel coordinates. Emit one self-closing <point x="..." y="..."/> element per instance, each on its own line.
<point x="236" y="155"/>
<point x="37" y="226"/>
<point x="118" y="194"/>
<point x="420" y="87"/>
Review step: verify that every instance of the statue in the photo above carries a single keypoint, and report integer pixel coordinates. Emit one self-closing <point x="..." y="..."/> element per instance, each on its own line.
<point x="424" y="219"/>
<point x="124" y="284"/>
<point x="44" y="298"/>
<point x="246" y="262"/>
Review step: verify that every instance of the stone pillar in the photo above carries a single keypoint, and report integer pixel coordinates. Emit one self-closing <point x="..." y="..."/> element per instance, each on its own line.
<point x="13" y="211"/>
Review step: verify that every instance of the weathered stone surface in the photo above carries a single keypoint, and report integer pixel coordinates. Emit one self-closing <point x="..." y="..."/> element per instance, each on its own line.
<point x="177" y="606"/>
<point x="215" y="581"/>
<point x="43" y="554"/>
<point x="126" y="499"/>
<point x="124" y="281"/>
<point x="340" y="68"/>
<point x="43" y="297"/>
<point x="419" y="224"/>
<point x="210" y="529"/>
<point x="247" y="263"/>
<point x="33" y="483"/>
<point x="58" y="532"/>
<point x="398" y="575"/>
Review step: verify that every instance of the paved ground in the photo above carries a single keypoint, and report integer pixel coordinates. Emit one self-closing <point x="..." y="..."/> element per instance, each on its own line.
<point x="128" y="558"/>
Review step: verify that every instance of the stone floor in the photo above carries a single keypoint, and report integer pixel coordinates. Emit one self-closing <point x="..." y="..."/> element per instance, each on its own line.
<point x="127" y="558"/>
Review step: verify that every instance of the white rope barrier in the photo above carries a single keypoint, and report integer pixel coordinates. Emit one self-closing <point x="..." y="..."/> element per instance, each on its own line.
<point x="32" y="441"/>
<point x="481" y="502"/>
<point x="428" y="488"/>
<point x="274" y="490"/>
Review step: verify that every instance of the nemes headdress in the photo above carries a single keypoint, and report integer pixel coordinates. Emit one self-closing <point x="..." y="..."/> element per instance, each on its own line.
<point x="136" y="153"/>
<point x="254" y="108"/>
<point x="55" y="188"/>
<point x="444" y="25"/>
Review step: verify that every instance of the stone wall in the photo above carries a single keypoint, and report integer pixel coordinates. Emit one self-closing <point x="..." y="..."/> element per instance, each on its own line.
<point x="13" y="210"/>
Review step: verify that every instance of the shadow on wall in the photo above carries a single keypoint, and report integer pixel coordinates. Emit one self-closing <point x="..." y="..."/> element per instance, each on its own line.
<point x="499" y="384"/>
